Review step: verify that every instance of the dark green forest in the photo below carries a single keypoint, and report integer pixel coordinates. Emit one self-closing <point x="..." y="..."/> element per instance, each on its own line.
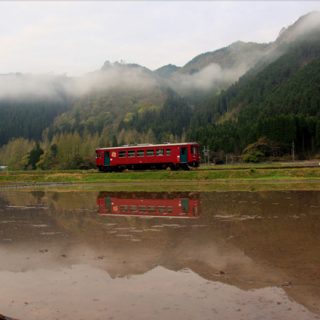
<point x="281" y="103"/>
<point x="28" y="118"/>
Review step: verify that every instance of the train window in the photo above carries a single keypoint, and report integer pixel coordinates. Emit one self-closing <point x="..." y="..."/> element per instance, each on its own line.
<point x="168" y="152"/>
<point x="162" y="209"/>
<point x="160" y="152"/>
<point x="150" y="152"/>
<point x="133" y="208"/>
<point x="142" y="208"/>
<point x="131" y="153"/>
<point x="123" y="208"/>
<point x="98" y="154"/>
<point x="140" y="153"/>
<point x="122" y="154"/>
<point x="151" y="209"/>
<point x="169" y="209"/>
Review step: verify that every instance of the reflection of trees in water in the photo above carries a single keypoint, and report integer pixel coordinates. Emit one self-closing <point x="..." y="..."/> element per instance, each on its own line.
<point x="39" y="195"/>
<point x="64" y="200"/>
<point x="3" y="201"/>
<point x="21" y="198"/>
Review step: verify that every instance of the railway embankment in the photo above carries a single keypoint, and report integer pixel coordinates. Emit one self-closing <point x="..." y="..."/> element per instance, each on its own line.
<point x="232" y="177"/>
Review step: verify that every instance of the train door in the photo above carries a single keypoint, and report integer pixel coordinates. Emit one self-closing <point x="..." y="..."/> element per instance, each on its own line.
<point x="107" y="158"/>
<point x="185" y="205"/>
<point x="183" y="155"/>
<point x="108" y="204"/>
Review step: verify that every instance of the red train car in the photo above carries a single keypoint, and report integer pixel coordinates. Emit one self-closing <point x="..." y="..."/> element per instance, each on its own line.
<point x="177" y="207"/>
<point x="149" y="156"/>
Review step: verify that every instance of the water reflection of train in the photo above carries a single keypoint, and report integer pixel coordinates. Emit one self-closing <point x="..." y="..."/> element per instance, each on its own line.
<point x="173" y="205"/>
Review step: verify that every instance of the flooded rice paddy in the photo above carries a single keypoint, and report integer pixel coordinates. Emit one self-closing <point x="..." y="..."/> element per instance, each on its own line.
<point x="103" y="255"/>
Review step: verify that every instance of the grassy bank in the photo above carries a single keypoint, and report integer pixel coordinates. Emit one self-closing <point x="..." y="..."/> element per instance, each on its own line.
<point x="204" y="178"/>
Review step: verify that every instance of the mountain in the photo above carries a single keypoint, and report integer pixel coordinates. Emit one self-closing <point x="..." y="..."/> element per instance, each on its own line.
<point x="240" y="95"/>
<point x="279" y="100"/>
<point x="238" y="56"/>
<point x="213" y="71"/>
<point x="167" y="71"/>
<point x="306" y="26"/>
<point x="109" y="96"/>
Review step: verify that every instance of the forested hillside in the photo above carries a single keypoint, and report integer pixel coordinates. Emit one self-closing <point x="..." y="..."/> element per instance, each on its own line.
<point x="274" y="107"/>
<point x="29" y="104"/>
<point x="280" y="102"/>
<point x="27" y="119"/>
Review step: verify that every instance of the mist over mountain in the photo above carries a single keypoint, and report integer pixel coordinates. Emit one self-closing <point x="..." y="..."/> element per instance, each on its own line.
<point x="17" y="86"/>
<point x="219" y="68"/>
<point x="219" y="98"/>
<point x="306" y="26"/>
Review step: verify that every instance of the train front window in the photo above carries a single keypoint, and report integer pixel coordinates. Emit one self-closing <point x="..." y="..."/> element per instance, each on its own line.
<point x="168" y="152"/>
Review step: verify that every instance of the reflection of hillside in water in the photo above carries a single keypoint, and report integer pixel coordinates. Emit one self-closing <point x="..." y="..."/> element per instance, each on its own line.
<point x="251" y="240"/>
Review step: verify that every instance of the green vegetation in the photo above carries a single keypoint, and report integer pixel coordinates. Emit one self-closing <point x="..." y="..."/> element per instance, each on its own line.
<point x="260" y="151"/>
<point x="237" y="173"/>
<point x="166" y="124"/>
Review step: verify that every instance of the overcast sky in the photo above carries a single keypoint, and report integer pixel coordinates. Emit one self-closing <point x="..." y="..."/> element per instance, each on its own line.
<point x="77" y="37"/>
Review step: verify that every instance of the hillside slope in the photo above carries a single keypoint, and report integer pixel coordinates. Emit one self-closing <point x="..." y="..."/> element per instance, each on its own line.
<point x="280" y="100"/>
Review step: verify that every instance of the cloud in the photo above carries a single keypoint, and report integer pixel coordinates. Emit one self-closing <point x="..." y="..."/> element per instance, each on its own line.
<point x="116" y="75"/>
<point x="51" y="86"/>
<point x="209" y="77"/>
<point x="76" y="37"/>
<point x="134" y="77"/>
<point x="18" y="86"/>
<point x="301" y="27"/>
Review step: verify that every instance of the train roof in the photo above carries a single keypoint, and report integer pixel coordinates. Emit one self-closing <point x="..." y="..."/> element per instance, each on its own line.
<point x="148" y="145"/>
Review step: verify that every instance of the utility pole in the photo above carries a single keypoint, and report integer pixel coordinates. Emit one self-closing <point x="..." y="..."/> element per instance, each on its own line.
<point x="292" y="151"/>
<point x="204" y="151"/>
<point x="206" y="154"/>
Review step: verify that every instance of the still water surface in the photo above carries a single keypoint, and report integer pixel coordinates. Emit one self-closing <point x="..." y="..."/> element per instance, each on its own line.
<point x="101" y="255"/>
